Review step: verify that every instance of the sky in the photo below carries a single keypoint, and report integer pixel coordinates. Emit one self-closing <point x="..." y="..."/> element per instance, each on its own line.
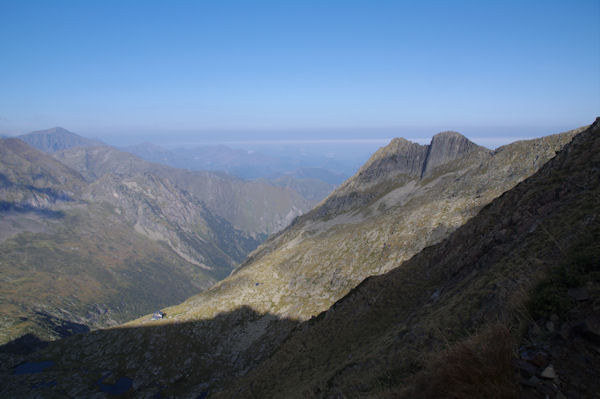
<point x="239" y="71"/>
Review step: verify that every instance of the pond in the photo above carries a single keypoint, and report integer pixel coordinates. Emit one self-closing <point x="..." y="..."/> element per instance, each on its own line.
<point x="33" y="367"/>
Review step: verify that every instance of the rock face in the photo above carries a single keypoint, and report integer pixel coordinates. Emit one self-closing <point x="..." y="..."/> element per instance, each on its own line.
<point x="404" y="158"/>
<point x="446" y="147"/>
<point x="399" y="157"/>
<point x="398" y="163"/>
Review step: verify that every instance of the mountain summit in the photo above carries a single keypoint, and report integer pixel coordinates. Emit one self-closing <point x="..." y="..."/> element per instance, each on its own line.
<point x="398" y="163"/>
<point x="56" y="139"/>
<point x="403" y="157"/>
<point x="446" y="147"/>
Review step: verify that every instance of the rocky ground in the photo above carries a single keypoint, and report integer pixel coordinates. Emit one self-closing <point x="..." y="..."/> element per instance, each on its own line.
<point x="560" y="356"/>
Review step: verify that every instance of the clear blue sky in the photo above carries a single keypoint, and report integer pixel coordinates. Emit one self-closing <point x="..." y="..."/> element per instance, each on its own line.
<point x="290" y="69"/>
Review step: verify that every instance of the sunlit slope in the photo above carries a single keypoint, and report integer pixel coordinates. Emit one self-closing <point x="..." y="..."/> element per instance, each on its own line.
<point x="406" y="197"/>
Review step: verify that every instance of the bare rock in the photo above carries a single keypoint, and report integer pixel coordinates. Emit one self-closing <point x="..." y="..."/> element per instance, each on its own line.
<point x="549" y="373"/>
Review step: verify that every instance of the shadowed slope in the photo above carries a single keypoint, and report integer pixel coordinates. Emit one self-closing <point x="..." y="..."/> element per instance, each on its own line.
<point x="375" y="338"/>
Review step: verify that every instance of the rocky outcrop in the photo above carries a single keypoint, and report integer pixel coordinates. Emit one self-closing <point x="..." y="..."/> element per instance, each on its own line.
<point x="445" y="147"/>
<point x="400" y="156"/>
<point x="396" y="164"/>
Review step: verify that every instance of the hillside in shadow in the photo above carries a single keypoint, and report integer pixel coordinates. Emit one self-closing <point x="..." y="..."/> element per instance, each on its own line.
<point x="160" y="358"/>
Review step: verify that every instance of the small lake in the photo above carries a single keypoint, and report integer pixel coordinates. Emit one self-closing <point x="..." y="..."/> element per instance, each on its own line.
<point x="33" y="367"/>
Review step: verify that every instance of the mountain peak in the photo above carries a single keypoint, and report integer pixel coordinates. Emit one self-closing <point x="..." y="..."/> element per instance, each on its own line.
<point x="413" y="159"/>
<point x="448" y="146"/>
<point x="56" y="139"/>
<point x="449" y="133"/>
<point x="56" y="129"/>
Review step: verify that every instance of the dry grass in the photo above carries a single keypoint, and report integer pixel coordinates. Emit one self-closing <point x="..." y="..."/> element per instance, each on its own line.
<point x="479" y="367"/>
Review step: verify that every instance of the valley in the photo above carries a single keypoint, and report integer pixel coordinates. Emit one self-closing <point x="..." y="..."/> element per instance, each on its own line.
<point x="93" y="236"/>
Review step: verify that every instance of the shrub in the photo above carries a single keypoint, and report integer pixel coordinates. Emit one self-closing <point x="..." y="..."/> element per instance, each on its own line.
<point x="479" y="367"/>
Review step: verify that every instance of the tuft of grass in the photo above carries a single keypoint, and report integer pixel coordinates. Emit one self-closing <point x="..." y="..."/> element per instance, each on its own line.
<point x="479" y="367"/>
<point x="550" y="296"/>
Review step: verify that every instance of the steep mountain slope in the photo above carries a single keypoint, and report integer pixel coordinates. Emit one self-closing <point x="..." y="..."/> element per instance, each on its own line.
<point x="256" y="207"/>
<point x="78" y="255"/>
<point x="401" y="201"/>
<point x="247" y="336"/>
<point x="373" y="341"/>
<point x="30" y="179"/>
<point x="56" y="139"/>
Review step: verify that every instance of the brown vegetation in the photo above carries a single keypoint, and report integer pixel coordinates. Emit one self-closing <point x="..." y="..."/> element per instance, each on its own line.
<point x="482" y="366"/>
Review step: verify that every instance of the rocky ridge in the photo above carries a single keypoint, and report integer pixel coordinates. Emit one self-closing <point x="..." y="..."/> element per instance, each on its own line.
<point x="256" y="207"/>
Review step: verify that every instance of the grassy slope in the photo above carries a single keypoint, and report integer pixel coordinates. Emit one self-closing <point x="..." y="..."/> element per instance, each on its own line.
<point x="72" y="252"/>
<point x="90" y="268"/>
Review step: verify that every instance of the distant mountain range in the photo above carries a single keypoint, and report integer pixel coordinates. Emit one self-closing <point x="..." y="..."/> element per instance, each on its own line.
<point x="267" y="208"/>
<point x="92" y="236"/>
<point x="404" y="282"/>
<point x="241" y="163"/>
